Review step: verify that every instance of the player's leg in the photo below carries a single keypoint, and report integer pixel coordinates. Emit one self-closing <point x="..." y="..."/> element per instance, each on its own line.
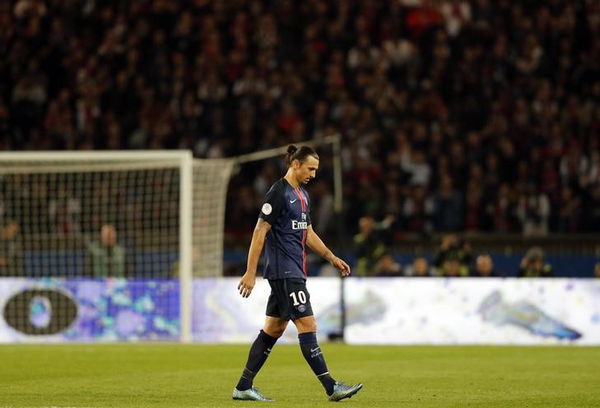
<point x="303" y="318"/>
<point x="306" y="324"/>
<point x="307" y="336"/>
<point x="261" y="348"/>
<point x="275" y="326"/>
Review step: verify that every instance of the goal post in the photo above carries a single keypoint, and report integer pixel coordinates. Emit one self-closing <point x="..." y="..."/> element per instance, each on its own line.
<point x="74" y="223"/>
<point x="211" y="179"/>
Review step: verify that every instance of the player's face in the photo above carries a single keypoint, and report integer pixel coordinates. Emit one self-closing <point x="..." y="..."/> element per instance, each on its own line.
<point x="307" y="171"/>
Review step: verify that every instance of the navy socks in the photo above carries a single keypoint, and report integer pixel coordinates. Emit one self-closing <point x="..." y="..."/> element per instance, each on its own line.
<point x="256" y="358"/>
<point x="310" y="350"/>
<point x="314" y="357"/>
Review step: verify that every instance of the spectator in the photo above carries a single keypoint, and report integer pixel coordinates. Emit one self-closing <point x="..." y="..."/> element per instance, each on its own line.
<point x="448" y="207"/>
<point x="387" y="266"/>
<point x="369" y="244"/>
<point x="11" y="252"/>
<point x="453" y="257"/>
<point x="597" y="270"/>
<point x="484" y="267"/>
<point x="452" y="267"/>
<point x="533" y="265"/>
<point x="418" y="168"/>
<point x="533" y="211"/>
<point x="107" y="256"/>
<point x="419" y="268"/>
<point x="417" y="210"/>
<point x="569" y="215"/>
<point x="64" y="212"/>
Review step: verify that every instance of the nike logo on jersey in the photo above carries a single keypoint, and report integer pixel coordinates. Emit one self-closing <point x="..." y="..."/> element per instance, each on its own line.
<point x="293" y="201"/>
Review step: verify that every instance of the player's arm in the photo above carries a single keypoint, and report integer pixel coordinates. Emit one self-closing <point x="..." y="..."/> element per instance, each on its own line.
<point x="315" y="243"/>
<point x="256" y="246"/>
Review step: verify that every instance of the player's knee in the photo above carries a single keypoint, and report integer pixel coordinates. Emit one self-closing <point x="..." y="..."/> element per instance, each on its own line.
<point x="311" y="328"/>
<point x="274" y="331"/>
<point x="306" y="325"/>
<point x="275" y="328"/>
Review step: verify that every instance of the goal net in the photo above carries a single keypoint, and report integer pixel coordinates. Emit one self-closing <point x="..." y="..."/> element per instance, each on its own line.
<point x="211" y="178"/>
<point x="95" y="245"/>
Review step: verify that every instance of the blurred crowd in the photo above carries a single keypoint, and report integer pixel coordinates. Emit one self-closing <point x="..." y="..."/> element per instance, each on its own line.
<point x="456" y="115"/>
<point x="454" y="258"/>
<point x="71" y="204"/>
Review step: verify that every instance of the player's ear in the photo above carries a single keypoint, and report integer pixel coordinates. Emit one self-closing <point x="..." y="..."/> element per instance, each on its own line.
<point x="296" y="164"/>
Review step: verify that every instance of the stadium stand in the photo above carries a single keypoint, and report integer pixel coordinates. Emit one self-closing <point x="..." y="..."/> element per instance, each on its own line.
<point x="476" y="116"/>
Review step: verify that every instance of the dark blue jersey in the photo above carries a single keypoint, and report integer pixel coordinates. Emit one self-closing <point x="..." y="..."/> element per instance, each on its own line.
<point x="287" y="210"/>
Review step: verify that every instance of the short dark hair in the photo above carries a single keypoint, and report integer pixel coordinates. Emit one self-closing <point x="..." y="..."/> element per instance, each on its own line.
<point x="300" y="154"/>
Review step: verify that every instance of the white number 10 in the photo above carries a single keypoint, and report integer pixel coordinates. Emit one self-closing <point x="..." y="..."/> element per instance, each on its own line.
<point x="301" y="297"/>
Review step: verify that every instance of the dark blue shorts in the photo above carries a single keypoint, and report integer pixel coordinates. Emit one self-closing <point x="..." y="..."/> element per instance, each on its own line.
<point x="289" y="299"/>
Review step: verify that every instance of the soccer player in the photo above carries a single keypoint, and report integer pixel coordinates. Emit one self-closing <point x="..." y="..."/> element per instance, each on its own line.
<point x="284" y="226"/>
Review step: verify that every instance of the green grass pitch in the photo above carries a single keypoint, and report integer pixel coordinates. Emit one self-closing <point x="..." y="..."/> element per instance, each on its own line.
<point x="164" y="375"/>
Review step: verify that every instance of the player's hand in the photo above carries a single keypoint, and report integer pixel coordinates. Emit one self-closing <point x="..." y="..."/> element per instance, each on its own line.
<point x="341" y="266"/>
<point x="246" y="284"/>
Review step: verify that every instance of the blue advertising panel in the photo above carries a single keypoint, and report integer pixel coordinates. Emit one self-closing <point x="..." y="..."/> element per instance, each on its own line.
<point x="63" y="310"/>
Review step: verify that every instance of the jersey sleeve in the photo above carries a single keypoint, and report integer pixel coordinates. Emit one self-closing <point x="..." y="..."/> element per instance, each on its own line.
<point x="273" y="204"/>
